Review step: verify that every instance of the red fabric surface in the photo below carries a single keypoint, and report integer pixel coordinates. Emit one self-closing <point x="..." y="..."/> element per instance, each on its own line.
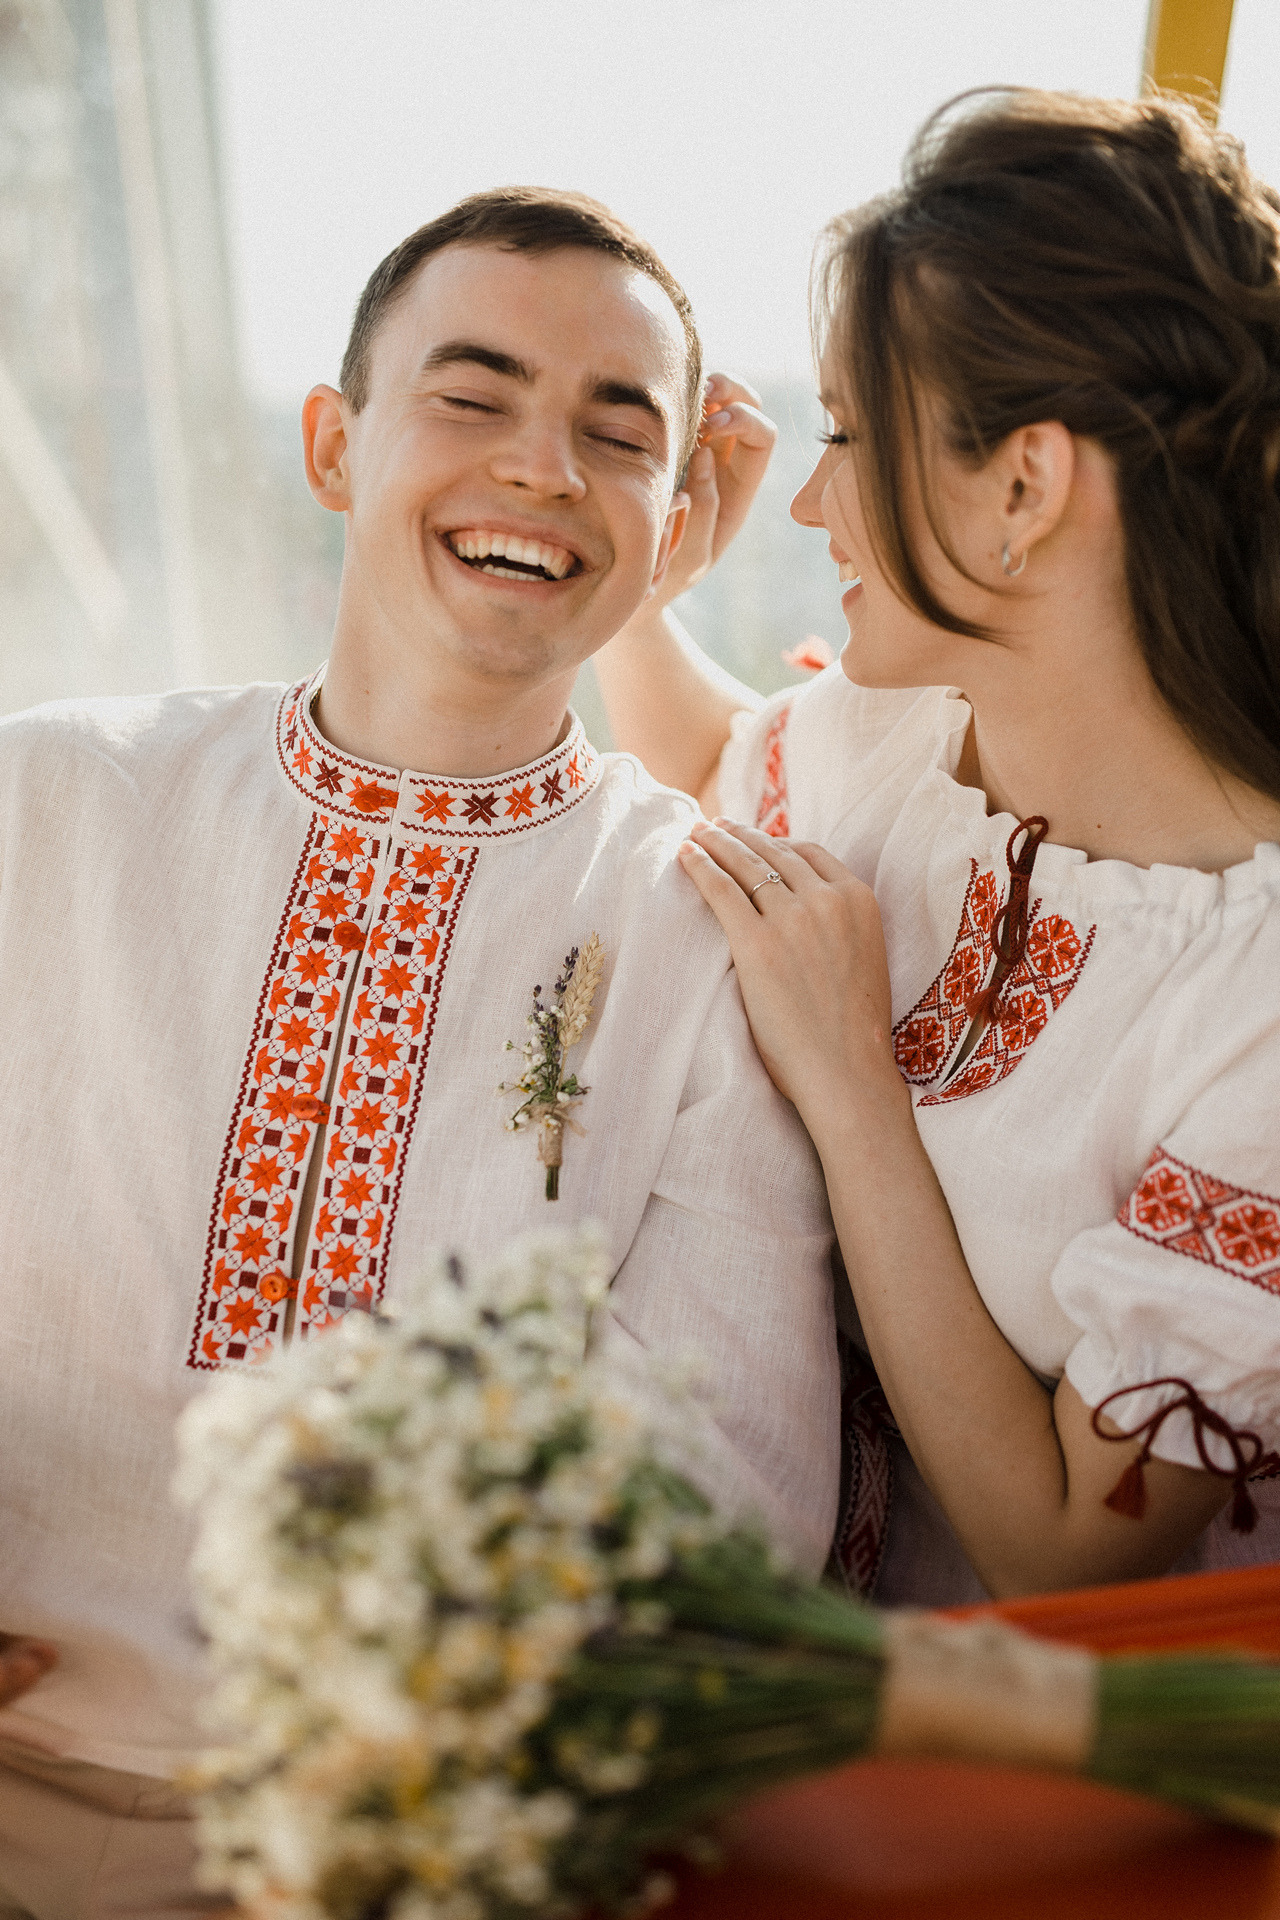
<point x="896" y="1840"/>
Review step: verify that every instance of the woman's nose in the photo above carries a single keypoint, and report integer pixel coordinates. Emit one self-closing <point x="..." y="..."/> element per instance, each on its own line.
<point x="806" y="508"/>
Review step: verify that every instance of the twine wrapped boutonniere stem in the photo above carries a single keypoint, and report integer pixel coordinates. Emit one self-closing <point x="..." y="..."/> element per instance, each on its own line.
<point x="555" y="1027"/>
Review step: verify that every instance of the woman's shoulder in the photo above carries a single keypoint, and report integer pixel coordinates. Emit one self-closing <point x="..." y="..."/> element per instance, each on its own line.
<point x="811" y="753"/>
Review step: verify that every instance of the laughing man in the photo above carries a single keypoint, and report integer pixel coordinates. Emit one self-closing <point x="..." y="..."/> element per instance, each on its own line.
<point x="261" y="951"/>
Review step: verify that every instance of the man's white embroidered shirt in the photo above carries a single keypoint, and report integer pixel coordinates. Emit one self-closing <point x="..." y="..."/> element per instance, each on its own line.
<point x="226" y="947"/>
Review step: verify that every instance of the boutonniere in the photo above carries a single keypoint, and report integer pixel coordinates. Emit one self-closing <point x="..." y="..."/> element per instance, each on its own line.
<point x="549" y="1091"/>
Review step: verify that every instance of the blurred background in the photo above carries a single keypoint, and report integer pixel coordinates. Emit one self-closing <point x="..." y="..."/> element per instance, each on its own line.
<point x="193" y="192"/>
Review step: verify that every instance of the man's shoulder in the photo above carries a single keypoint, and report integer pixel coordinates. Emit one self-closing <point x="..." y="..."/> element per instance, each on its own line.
<point x="639" y="805"/>
<point x="644" y="822"/>
<point x="74" y="736"/>
<point x="640" y="826"/>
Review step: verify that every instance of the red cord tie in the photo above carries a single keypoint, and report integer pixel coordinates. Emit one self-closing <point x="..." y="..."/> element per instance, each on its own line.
<point x="1009" y="928"/>
<point x="1129" y="1494"/>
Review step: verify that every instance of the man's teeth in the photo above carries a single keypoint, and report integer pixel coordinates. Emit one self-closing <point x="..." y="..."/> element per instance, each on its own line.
<point x="474" y="544"/>
<point x="848" y="571"/>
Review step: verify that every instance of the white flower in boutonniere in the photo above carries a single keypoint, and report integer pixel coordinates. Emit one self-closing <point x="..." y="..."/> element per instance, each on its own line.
<point x="550" y="1093"/>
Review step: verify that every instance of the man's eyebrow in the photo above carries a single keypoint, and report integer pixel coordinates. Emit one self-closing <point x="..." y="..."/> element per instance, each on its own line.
<point x="620" y="393"/>
<point x="460" y="352"/>
<point x="609" y="393"/>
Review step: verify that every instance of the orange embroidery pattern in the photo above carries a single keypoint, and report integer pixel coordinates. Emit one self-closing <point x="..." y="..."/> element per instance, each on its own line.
<point x="240" y="1315"/>
<point x="401" y="962"/>
<point x="1179" y="1207"/>
<point x="384" y="867"/>
<point x="380" y="1085"/>
<point x="925" y="1039"/>
<point x="462" y="810"/>
<point x="772" y="815"/>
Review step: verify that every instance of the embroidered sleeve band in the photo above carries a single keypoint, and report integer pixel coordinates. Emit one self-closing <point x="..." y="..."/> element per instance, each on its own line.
<point x="1178" y="1207"/>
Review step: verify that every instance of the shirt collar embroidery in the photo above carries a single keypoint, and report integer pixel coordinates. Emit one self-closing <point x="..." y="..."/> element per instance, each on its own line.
<point x="465" y="810"/>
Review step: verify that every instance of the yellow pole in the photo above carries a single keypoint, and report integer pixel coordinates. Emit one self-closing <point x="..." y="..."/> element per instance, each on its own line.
<point x="1186" y="50"/>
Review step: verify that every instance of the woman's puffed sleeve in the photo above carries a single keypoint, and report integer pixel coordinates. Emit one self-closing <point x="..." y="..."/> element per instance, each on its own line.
<point x="832" y="761"/>
<point x="1184" y="1283"/>
<point x="752" y="773"/>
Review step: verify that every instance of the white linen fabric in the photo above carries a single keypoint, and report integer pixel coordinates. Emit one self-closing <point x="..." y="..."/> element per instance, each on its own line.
<point x="218" y="935"/>
<point x="1110" y="1151"/>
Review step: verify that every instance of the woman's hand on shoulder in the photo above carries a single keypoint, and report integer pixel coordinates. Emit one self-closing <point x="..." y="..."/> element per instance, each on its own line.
<point x="809" y="950"/>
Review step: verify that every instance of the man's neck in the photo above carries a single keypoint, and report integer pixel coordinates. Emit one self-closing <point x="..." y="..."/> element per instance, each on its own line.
<point x="411" y="716"/>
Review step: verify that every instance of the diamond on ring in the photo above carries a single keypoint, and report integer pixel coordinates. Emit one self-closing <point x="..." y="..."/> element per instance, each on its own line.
<point x="764" y="883"/>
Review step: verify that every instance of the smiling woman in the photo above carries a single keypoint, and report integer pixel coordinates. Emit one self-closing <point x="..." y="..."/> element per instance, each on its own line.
<point x="1029" y="1013"/>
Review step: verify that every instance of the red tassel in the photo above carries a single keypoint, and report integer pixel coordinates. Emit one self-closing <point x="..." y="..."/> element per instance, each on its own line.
<point x="978" y="1006"/>
<point x="1244" y="1515"/>
<point x="1129" y="1494"/>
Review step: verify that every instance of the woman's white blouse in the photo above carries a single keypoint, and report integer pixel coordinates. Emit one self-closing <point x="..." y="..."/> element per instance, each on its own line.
<point x="1110" y="1151"/>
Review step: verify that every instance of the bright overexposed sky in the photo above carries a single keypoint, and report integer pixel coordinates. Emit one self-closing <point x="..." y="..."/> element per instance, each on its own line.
<point x="725" y="131"/>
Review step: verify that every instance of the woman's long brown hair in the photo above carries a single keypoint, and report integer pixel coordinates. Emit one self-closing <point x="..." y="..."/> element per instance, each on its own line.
<point x="1113" y="266"/>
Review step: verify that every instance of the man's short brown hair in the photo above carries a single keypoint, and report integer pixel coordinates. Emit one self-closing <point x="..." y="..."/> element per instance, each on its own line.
<point x="520" y="220"/>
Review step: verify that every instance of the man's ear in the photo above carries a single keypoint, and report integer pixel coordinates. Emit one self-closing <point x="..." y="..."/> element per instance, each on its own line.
<point x="672" y="534"/>
<point x="324" y="447"/>
<point x="1037" y="468"/>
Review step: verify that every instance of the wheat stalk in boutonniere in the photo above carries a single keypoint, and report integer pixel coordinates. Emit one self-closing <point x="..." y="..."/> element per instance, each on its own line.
<point x="549" y="1091"/>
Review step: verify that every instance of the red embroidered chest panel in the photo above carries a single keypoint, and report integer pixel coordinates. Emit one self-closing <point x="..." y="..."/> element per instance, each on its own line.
<point x="926" y="1038"/>
<point x="359" y="959"/>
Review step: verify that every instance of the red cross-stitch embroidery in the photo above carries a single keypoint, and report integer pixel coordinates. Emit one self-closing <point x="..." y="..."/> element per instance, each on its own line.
<point x="925" y="1039"/>
<point x="465" y="810"/>
<point x="1179" y="1207"/>
<point x="241" y="1302"/>
<point x="380" y="1084"/>
<point x="400" y="952"/>
<point x="772" y="815"/>
<point x="435" y="806"/>
<point x="401" y="960"/>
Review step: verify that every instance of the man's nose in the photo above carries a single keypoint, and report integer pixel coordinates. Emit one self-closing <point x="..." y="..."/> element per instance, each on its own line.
<point x="539" y="456"/>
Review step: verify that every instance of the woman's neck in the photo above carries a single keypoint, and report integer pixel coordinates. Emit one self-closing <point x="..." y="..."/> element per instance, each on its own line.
<point x="1120" y="780"/>
<point x="1067" y="720"/>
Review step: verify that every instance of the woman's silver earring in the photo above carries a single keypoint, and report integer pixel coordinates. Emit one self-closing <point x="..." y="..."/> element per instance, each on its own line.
<point x="1013" y="572"/>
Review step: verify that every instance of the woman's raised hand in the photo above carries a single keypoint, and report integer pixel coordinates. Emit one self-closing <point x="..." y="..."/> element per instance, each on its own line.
<point x="733" y="452"/>
<point x="667" y="702"/>
<point x="809" y="951"/>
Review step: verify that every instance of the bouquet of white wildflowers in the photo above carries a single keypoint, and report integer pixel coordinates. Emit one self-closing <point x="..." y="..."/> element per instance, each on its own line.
<point x="481" y="1650"/>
